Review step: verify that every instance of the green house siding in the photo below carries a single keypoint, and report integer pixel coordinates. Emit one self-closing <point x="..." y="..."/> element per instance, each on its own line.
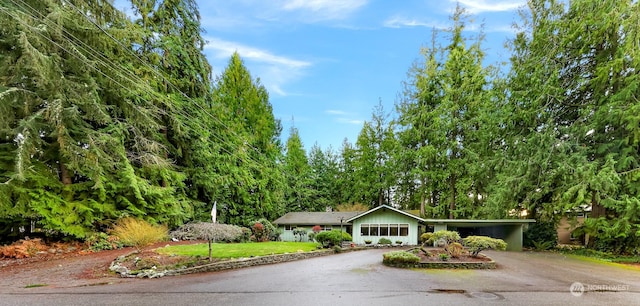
<point x="386" y="216"/>
<point x="287" y="234"/>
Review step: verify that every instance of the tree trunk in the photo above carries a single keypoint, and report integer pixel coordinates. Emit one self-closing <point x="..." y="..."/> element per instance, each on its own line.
<point x="452" y="204"/>
<point x="64" y="175"/>
<point x="597" y="210"/>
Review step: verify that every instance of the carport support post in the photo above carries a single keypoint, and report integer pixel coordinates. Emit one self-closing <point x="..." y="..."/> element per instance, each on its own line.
<point x="513" y="237"/>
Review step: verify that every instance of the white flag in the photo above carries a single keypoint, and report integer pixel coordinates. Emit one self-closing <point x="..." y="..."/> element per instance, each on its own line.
<point x="214" y="211"/>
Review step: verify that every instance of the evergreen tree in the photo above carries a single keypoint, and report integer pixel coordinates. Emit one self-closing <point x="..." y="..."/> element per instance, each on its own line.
<point x="74" y="126"/>
<point x="251" y="174"/>
<point x="324" y="177"/>
<point x="347" y="178"/>
<point x="299" y="195"/>
<point x="442" y="123"/>
<point x="577" y="128"/>
<point x="374" y="173"/>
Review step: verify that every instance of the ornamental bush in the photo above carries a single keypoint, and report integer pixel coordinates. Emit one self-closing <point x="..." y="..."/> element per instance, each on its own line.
<point x="331" y="238"/>
<point x="384" y="241"/>
<point x="210" y="231"/>
<point x="477" y="244"/>
<point x="263" y="231"/>
<point x="300" y="232"/>
<point x="139" y="233"/>
<point x="399" y="258"/>
<point x="424" y="238"/>
<point x="448" y="236"/>
<point x="455" y="249"/>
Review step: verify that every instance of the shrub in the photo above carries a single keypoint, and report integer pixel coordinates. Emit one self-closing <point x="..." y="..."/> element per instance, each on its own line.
<point x="300" y="232"/>
<point x="447" y="236"/>
<point x="399" y="258"/>
<point x="398" y="242"/>
<point x="541" y="232"/>
<point x="331" y="238"/>
<point x="259" y="233"/>
<point x="316" y="229"/>
<point x="384" y="241"/>
<point x="139" y="233"/>
<point x="543" y="245"/>
<point x="454" y="249"/>
<point x="426" y="237"/>
<point x="263" y="230"/>
<point x="103" y="241"/>
<point x="368" y="241"/>
<point x="444" y="256"/>
<point x="211" y="232"/>
<point x="476" y="244"/>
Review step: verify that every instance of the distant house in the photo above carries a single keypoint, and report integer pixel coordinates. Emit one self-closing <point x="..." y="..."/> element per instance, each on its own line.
<point x="566" y="227"/>
<point x="397" y="225"/>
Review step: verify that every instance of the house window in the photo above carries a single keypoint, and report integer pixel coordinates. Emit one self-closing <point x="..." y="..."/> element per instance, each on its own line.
<point x="289" y="227"/>
<point x="393" y="229"/>
<point x="384" y="229"/>
<point x="373" y="229"/>
<point x="404" y="230"/>
<point x="327" y="228"/>
<point x="364" y="230"/>
<point x="390" y="230"/>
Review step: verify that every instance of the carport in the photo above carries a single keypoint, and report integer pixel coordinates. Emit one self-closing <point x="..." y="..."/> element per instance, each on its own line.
<point x="509" y="230"/>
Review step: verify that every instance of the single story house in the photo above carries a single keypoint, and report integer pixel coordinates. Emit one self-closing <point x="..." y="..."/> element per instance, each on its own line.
<point x="397" y="225"/>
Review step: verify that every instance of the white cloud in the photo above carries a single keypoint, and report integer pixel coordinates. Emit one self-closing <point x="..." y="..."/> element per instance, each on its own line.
<point x="399" y="22"/>
<point x="350" y="121"/>
<point x="226" y="48"/>
<point x="344" y="117"/>
<point x="325" y="9"/>
<point x="335" y="112"/>
<point x="481" y="6"/>
<point x="274" y="71"/>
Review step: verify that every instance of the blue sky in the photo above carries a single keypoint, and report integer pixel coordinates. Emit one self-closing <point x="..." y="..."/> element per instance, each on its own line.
<point x="327" y="63"/>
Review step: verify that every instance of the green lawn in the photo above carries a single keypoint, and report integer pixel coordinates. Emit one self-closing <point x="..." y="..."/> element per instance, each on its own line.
<point x="237" y="250"/>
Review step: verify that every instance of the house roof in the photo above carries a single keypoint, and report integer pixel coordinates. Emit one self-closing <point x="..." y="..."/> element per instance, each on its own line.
<point x="362" y="214"/>
<point x="316" y="218"/>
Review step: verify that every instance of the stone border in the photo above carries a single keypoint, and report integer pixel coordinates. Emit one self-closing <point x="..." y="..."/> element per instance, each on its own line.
<point x="448" y="265"/>
<point x="224" y="265"/>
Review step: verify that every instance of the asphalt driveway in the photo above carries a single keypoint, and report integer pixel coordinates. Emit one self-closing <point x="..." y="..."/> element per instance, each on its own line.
<point x="359" y="278"/>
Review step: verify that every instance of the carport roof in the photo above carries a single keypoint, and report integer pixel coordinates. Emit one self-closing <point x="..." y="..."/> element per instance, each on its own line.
<point x="316" y="218"/>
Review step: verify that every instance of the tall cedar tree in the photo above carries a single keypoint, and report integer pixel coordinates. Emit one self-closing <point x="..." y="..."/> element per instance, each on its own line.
<point x="298" y="195"/>
<point x="324" y="177"/>
<point x="251" y="178"/>
<point x="374" y="172"/>
<point x="74" y="125"/>
<point x="178" y="70"/>
<point x="573" y="139"/>
<point x="441" y="124"/>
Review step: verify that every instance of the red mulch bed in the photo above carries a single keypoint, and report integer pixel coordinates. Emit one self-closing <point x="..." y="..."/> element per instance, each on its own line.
<point x="72" y="265"/>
